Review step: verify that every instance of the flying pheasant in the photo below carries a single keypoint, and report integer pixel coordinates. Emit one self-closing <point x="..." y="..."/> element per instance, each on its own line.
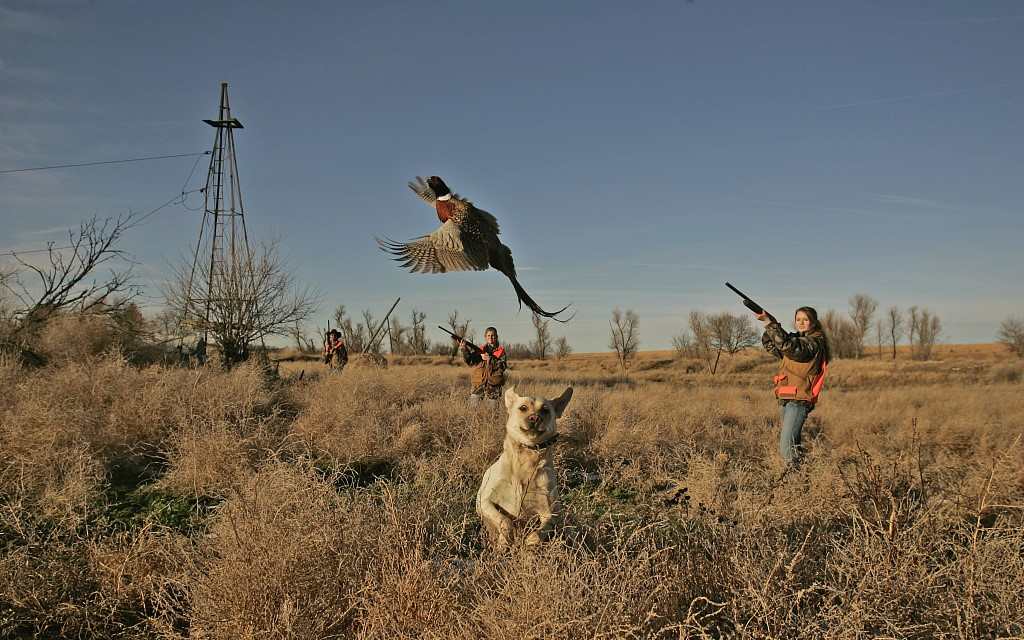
<point x="467" y="240"/>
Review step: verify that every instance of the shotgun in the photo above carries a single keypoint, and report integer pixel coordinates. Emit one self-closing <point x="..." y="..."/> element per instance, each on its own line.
<point x="750" y="304"/>
<point x="469" y="345"/>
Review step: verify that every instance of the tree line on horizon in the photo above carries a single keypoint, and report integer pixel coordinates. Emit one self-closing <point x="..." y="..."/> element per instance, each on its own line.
<point x="260" y="297"/>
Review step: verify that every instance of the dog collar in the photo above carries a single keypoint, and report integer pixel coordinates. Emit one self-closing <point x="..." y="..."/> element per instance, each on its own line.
<point x="543" y="445"/>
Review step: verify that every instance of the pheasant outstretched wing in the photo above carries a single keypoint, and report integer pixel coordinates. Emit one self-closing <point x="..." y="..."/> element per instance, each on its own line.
<point x="420" y="187"/>
<point x="446" y="249"/>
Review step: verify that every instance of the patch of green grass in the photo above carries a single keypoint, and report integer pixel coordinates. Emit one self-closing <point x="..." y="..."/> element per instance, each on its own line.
<point x="128" y="510"/>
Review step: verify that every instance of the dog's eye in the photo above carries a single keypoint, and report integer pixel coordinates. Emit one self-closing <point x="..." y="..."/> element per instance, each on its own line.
<point x="544" y="410"/>
<point x="522" y="408"/>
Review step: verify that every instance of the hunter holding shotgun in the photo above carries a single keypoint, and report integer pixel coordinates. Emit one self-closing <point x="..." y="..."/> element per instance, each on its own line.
<point x="489" y="362"/>
<point x="805" y="356"/>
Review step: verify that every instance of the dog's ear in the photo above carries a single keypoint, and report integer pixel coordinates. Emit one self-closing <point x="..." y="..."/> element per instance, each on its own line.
<point x="511" y="397"/>
<point x="561" y="402"/>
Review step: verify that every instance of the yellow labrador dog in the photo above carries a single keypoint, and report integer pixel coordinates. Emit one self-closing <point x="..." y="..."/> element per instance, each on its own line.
<point x="521" y="486"/>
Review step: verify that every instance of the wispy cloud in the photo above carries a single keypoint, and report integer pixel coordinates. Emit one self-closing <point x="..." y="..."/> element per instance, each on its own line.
<point x="924" y="95"/>
<point x="974" y="20"/>
<point x="891" y="99"/>
<point x="15" y="21"/>
<point x="678" y="266"/>
<point x="20" y="72"/>
<point x="910" y="200"/>
<point x="46" y="231"/>
<point x="809" y="205"/>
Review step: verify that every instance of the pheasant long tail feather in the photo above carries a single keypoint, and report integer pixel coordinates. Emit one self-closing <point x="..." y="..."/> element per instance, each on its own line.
<point x="524" y="298"/>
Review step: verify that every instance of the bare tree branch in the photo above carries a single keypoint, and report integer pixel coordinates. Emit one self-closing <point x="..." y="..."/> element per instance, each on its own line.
<point x="67" y="279"/>
<point x="625" y="335"/>
<point x="251" y="297"/>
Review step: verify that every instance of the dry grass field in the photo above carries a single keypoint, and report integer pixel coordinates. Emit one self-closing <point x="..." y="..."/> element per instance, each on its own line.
<point x="170" y="503"/>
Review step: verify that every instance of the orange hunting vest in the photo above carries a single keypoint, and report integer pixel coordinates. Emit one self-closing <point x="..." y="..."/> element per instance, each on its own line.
<point x="482" y="373"/>
<point x="800" y="380"/>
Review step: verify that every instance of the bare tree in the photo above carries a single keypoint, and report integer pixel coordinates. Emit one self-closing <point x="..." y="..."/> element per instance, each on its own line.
<point x="862" y="310"/>
<point x="372" y="328"/>
<point x="683" y="343"/>
<point x="399" y="336"/>
<point x="1011" y="334"/>
<point x="842" y="333"/>
<point x="354" y="335"/>
<point x="625" y="336"/>
<point x="541" y="345"/>
<point x="562" y="348"/>
<point x="714" y="335"/>
<point x="701" y="345"/>
<point x="418" y="343"/>
<point x="518" y="351"/>
<point x="166" y="326"/>
<point x="880" y="335"/>
<point x="459" y="328"/>
<point x="65" y="280"/>
<point x="928" y="329"/>
<point x="302" y="342"/>
<point x="913" y="321"/>
<point x="894" y="327"/>
<point x="251" y="297"/>
<point x="731" y="333"/>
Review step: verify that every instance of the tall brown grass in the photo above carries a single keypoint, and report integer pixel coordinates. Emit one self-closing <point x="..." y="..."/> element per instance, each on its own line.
<point x="178" y="503"/>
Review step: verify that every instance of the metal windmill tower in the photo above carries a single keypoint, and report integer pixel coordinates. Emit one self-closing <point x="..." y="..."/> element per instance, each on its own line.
<point x="219" y="294"/>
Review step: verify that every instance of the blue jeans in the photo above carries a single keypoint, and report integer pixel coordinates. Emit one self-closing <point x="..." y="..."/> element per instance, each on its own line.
<point x="794" y="413"/>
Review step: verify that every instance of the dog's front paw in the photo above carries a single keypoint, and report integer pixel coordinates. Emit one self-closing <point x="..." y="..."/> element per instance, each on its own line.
<point x="533" y="539"/>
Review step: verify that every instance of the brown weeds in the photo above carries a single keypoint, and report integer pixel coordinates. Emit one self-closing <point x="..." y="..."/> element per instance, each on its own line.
<point x="179" y="503"/>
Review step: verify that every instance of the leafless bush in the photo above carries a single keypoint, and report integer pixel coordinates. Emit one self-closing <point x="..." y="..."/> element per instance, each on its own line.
<point x="418" y="342"/>
<point x="927" y="327"/>
<point x="843" y="335"/>
<point x="541" y="345"/>
<point x="710" y="336"/>
<point x="625" y="336"/>
<point x="1011" y="334"/>
<point x="354" y="335"/>
<point x="519" y="351"/>
<point x="252" y="296"/>
<point x="66" y="279"/>
<point x="862" y="310"/>
<point x="562" y="348"/>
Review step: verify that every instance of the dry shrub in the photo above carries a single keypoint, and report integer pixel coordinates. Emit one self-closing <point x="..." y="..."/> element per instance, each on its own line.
<point x="368" y="415"/>
<point x="350" y="506"/>
<point x="76" y="337"/>
<point x="73" y="426"/>
<point x="10" y="374"/>
<point x="1007" y="373"/>
<point x="210" y="459"/>
<point x="283" y="560"/>
<point x="140" y="579"/>
<point x="46" y="590"/>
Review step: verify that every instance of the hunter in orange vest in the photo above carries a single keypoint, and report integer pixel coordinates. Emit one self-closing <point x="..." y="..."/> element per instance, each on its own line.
<point x="335" y="351"/>
<point x="489" y="364"/>
<point x="805" y="357"/>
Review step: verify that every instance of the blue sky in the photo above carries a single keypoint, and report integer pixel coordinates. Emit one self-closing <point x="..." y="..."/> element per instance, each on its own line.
<point x="636" y="154"/>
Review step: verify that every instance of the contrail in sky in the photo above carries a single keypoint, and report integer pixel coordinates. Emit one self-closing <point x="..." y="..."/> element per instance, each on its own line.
<point x="912" y="96"/>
